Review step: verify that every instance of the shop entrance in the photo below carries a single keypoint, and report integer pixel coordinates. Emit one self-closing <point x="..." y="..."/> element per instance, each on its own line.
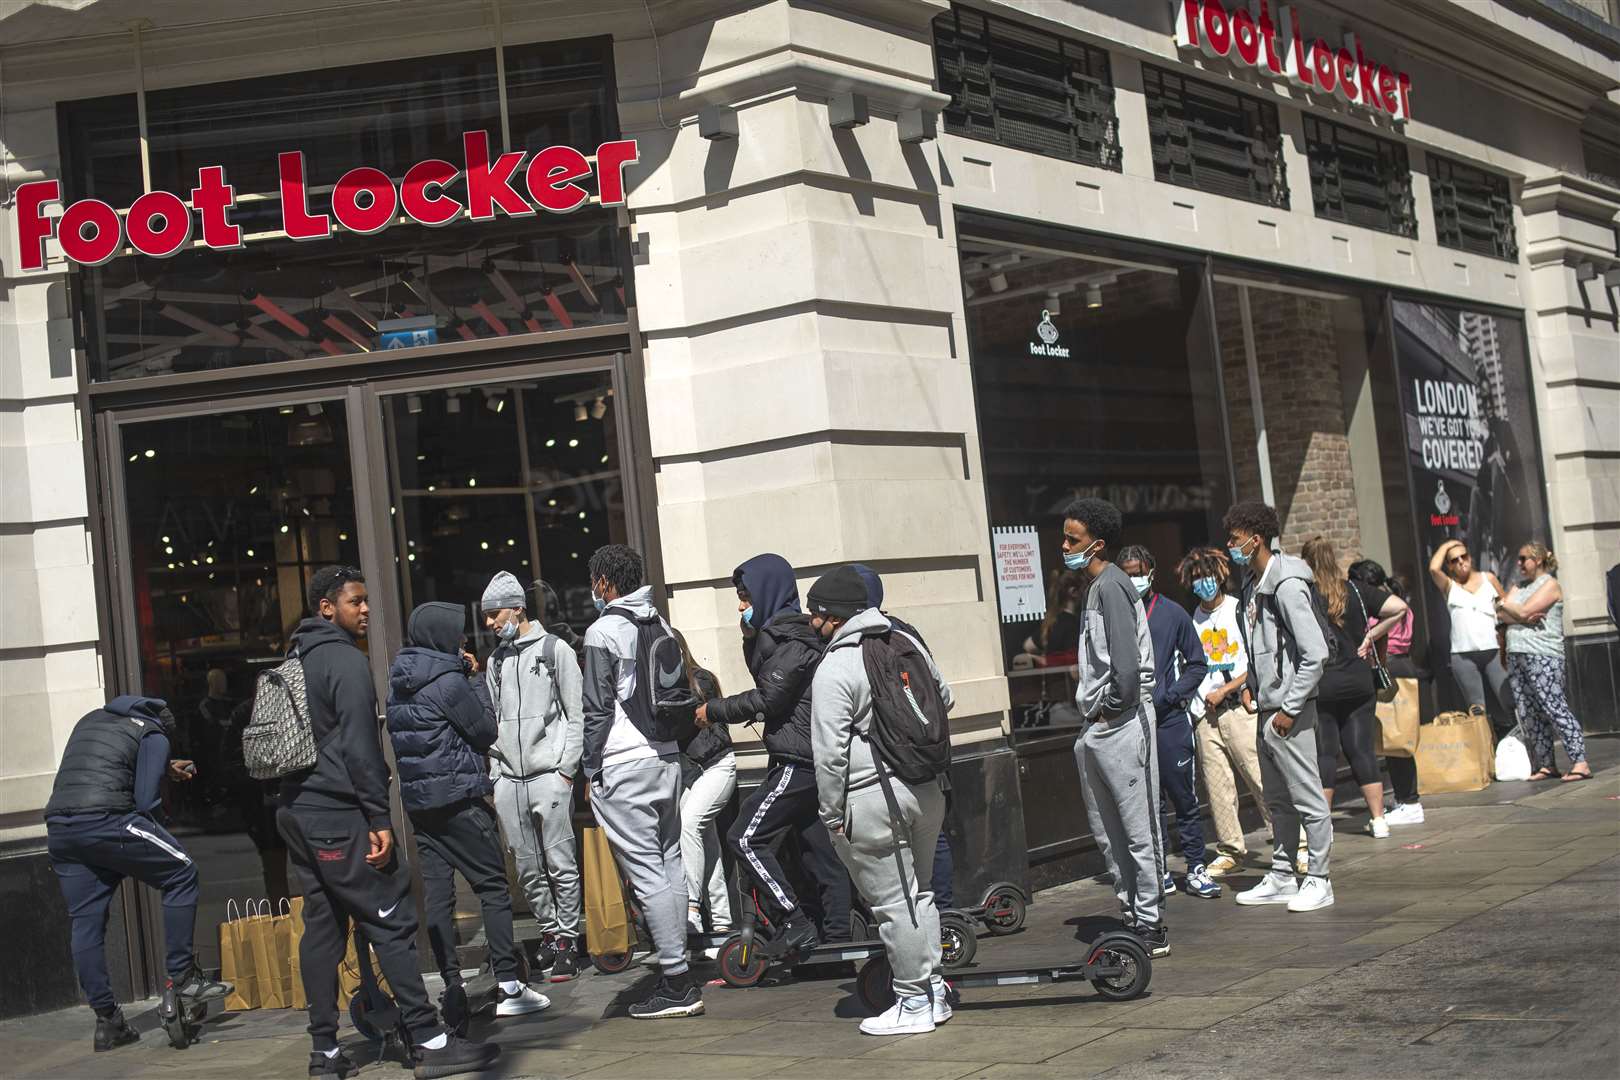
<point x="221" y="511"/>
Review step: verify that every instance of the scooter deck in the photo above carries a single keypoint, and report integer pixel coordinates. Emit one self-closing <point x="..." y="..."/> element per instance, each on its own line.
<point x="841" y="952"/>
<point x="1029" y="976"/>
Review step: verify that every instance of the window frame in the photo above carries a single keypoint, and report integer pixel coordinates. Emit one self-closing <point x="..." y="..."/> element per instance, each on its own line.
<point x="1504" y="244"/>
<point x="1395" y="168"/>
<point x="1255" y="114"/>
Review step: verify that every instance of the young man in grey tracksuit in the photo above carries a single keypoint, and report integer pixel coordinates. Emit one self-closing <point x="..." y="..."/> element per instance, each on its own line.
<point x="535" y="684"/>
<point x="1287" y="652"/>
<point x="635" y="776"/>
<point x="853" y="806"/>
<point x="1117" y="751"/>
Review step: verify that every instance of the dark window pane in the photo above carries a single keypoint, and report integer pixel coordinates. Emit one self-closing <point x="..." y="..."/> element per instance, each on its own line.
<point x="1209" y="138"/>
<point x="1473" y="209"/>
<point x="1359" y="178"/>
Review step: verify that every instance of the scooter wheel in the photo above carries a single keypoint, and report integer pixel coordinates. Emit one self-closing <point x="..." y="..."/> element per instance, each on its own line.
<point x="874" y="984"/>
<point x="1136" y="968"/>
<point x="860" y="929"/>
<point x="1005" y="910"/>
<point x="958" y="945"/>
<point x="611" y="963"/>
<point x="362" y="1022"/>
<point x="735" y="969"/>
<point x="179" y="1032"/>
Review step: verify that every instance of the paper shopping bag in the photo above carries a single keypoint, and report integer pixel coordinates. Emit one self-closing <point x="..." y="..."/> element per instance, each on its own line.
<point x="236" y="960"/>
<point x="260" y="934"/>
<point x="351" y="978"/>
<point x="1455" y="753"/>
<point x="280" y="954"/>
<point x="607" y="922"/>
<point x="1398" y="721"/>
<point x="295" y="942"/>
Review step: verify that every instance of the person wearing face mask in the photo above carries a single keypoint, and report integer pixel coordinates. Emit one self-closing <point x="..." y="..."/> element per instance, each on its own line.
<point x="1226" y="733"/>
<point x="1178" y="669"/>
<point x="1117" y="751"/>
<point x="535" y="685"/>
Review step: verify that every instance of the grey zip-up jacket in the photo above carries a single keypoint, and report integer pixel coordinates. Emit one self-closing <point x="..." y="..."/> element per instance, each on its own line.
<point x="536" y="733"/>
<point x="1116" y="648"/>
<point x="613" y="732"/>
<point x="841" y="709"/>
<point x="1286" y="649"/>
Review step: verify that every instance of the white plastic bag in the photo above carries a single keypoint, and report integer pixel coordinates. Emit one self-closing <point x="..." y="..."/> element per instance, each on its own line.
<point x="1512" y="759"/>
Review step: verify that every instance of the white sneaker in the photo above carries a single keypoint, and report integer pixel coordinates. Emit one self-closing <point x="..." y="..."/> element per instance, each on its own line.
<point x="942" y="1000"/>
<point x="1314" y="894"/>
<point x="1274" y="888"/>
<point x="525" y="1001"/>
<point x="1405" y="813"/>
<point x="1377" y="828"/>
<point x="908" y="1016"/>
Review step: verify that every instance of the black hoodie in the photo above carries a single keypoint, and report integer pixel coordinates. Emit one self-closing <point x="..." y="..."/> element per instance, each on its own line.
<point x="350" y="772"/>
<point x="782" y="656"/>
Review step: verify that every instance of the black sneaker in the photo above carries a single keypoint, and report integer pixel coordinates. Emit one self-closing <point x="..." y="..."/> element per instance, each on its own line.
<point x="1156" y="937"/>
<point x="798" y="935"/>
<point x="339" y="1064"/>
<point x="545" y="958"/>
<point x="453" y="1009"/>
<point x="197" y="986"/>
<point x="114" y="1031"/>
<point x="456" y="1056"/>
<point x="567" y="965"/>
<point x="672" y="997"/>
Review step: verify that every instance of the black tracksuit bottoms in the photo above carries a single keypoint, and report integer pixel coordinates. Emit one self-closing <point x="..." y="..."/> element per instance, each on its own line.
<point x="464" y="837"/>
<point x="786" y="802"/>
<point x="328" y="851"/>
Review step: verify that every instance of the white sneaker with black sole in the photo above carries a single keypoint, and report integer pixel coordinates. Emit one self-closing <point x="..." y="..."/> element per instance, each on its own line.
<point x="520" y="1002"/>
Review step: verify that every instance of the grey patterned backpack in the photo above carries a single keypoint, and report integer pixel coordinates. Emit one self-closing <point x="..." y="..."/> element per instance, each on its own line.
<point x="279" y="738"/>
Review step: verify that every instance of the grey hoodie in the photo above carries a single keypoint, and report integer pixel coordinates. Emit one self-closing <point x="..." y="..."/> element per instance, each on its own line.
<point x="1116" y="648"/>
<point x="537" y="733"/>
<point x="841" y="707"/>
<point x="1286" y="649"/>
<point x="612" y="734"/>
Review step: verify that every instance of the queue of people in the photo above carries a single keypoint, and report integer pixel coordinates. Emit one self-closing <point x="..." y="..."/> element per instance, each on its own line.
<point x="1270" y="678"/>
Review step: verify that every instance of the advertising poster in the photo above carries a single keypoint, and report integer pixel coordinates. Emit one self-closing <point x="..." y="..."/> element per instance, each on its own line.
<point x="1019" y="582"/>
<point x="1470" y="432"/>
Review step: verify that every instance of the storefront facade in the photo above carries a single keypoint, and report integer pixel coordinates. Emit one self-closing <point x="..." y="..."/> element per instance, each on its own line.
<point x="884" y="282"/>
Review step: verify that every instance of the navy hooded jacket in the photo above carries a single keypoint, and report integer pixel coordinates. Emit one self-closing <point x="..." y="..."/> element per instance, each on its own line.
<point x="782" y="652"/>
<point x="1179" y="664"/>
<point x="440" y="726"/>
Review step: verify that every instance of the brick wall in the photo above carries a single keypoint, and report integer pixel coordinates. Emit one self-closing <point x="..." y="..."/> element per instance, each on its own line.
<point x="1296" y="350"/>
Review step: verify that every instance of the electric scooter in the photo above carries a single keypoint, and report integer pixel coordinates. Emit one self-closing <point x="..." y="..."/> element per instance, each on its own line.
<point x="1003" y="912"/>
<point x="181" y="1017"/>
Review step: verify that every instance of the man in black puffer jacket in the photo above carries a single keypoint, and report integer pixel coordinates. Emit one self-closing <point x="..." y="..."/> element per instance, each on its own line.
<point x="441" y="729"/>
<point x="782" y="652"/>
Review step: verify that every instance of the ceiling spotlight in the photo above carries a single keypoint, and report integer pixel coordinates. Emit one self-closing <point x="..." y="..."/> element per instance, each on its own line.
<point x="413" y="404"/>
<point x="599" y="409"/>
<point x="580" y="412"/>
<point x="494" y="400"/>
<point x="1094" y="296"/>
<point x="998" y="282"/>
<point x="314" y="408"/>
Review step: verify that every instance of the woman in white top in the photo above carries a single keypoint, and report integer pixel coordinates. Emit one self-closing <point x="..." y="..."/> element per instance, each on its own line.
<point x="1226" y="731"/>
<point x="1471" y="598"/>
<point x="1534" y="615"/>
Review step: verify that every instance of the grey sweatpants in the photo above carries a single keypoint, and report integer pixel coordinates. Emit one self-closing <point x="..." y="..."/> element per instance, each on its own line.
<point x="867" y="846"/>
<point x="638" y="805"/>
<point x="1119" y="777"/>
<point x="1293" y="785"/>
<point x="537" y="816"/>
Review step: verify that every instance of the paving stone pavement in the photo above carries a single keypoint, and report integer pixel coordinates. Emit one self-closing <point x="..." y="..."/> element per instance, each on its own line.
<point x="1483" y="943"/>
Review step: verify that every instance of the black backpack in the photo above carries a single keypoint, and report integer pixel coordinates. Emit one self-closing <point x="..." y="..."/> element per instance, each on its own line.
<point x="909" y="728"/>
<point x="664" y="695"/>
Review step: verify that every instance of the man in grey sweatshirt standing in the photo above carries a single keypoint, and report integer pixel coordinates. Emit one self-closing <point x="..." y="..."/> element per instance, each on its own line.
<point x="535" y="685"/>
<point x="1117" y="751"/>
<point x="1287" y="652"/>
<point x="870" y="835"/>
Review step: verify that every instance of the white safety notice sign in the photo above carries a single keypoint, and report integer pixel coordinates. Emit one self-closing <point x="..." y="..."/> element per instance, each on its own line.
<point x="1019" y="583"/>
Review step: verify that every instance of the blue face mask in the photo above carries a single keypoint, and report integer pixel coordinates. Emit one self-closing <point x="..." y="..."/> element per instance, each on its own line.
<point x="1078" y="560"/>
<point x="507" y="630"/>
<point x="1143" y="583"/>
<point x="1238" y="555"/>
<point x="1206" y="588"/>
<point x="748" y="615"/>
<point x="598" y="601"/>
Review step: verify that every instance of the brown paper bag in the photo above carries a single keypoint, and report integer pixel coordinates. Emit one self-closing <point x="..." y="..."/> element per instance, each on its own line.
<point x="1455" y="753"/>
<point x="261" y="942"/>
<point x="236" y="960"/>
<point x="295" y="941"/>
<point x="607" y="922"/>
<point x="280" y="957"/>
<point x="1398" y="721"/>
<point x="349" y="978"/>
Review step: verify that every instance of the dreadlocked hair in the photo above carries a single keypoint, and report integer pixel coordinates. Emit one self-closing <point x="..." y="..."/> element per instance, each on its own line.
<point x="1204" y="562"/>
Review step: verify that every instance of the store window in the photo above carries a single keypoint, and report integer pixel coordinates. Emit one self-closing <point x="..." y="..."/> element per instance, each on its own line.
<point x="1473" y="209"/>
<point x="1360" y="179"/>
<point x="1026" y="88"/>
<point x="1206" y="137"/>
<point x="1094" y="375"/>
<point x="275" y="299"/>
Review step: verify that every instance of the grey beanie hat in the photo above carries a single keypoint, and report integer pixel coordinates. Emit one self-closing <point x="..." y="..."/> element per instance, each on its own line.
<point x="504" y="591"/>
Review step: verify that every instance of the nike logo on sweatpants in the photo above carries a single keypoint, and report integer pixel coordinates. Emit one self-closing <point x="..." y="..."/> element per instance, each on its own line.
<point x="381" y="914"/>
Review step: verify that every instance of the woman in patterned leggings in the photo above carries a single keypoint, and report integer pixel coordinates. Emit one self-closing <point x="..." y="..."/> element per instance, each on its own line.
<point x="1534" y="616"/>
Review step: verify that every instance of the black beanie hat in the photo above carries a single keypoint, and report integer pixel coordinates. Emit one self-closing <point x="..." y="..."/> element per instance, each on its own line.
<point x="840" y="594"/>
